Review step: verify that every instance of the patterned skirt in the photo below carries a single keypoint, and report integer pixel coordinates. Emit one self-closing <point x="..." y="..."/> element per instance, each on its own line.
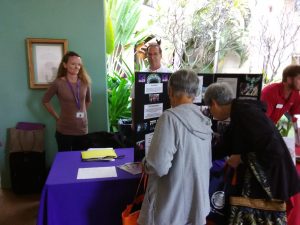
<point x="249" y="210"/>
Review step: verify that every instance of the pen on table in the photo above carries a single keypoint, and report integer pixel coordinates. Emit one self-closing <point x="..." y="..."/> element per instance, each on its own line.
<point x="106" y="158"/>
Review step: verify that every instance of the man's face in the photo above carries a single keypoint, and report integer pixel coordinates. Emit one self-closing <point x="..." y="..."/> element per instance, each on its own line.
<point x="294" y="82"/>
<point x="217" y="111"/>
<point x="154" y="57"/>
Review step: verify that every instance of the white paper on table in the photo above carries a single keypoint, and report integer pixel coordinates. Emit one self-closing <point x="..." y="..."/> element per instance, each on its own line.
<point x="96" y="172"/>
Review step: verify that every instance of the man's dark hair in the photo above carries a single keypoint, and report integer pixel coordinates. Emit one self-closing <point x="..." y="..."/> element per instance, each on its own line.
<point x="290" y="71"/>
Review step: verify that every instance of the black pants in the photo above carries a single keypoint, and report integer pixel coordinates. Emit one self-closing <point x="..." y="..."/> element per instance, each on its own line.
<point x="70" y="142"/>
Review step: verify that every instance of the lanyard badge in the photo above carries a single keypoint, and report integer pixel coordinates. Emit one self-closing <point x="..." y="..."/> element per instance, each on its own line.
<point x="76" y="95"/>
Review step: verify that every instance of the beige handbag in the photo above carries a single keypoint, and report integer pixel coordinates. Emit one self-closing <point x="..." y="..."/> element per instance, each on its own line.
<point x="26" y="140"/>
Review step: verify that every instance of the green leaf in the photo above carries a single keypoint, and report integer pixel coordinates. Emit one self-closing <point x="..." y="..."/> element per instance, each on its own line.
<point x="110" y="38"/>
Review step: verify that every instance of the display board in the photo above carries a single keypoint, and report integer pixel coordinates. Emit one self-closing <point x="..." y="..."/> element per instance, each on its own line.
<point x="151" y="99"/>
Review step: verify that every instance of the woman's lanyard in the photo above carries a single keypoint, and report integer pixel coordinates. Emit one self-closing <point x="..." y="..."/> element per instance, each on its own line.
<point x="75" y="93"/>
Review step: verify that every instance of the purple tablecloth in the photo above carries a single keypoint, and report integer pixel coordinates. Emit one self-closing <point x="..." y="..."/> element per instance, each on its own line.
<point x="68" y="201"/>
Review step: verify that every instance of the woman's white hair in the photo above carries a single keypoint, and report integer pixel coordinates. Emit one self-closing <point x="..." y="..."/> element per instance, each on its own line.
<point x="184" y="82"/>
<point x="220" y="92"/>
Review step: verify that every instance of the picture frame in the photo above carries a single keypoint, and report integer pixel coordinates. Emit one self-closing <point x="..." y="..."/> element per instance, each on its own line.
<point x="44" y="56"/>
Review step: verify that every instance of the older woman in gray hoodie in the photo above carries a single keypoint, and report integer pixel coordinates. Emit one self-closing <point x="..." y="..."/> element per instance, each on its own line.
<point x="179" y="159"/>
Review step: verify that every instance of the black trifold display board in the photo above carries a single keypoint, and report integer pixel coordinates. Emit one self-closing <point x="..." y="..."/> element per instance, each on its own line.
<point x="151" y="99"/>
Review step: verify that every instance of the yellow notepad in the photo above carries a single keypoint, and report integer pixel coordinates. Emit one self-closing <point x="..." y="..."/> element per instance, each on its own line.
<point x="99" y="153"/>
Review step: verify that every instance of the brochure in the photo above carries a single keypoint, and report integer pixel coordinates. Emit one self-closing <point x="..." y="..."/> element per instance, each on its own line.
<point x="132" y="167"/>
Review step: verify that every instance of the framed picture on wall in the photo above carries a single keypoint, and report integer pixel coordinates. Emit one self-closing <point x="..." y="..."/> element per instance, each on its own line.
<point x="44" y="56"/>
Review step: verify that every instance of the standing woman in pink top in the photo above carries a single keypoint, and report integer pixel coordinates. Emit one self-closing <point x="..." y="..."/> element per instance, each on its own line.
<point x="72" y="88"/>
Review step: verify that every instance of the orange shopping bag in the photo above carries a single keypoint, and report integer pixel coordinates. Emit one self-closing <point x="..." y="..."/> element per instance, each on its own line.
<point x="131" y="213"/>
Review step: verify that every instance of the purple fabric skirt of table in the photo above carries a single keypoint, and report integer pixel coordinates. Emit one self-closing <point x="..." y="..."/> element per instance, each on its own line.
<point x="68" y="201"/>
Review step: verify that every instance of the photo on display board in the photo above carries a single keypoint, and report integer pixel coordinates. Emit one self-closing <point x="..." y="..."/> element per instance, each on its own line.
<point x="250" y="86"/>
<point x="153" y="98"/>
<point x="152" y="124"/>
<point x="141" y="127"/>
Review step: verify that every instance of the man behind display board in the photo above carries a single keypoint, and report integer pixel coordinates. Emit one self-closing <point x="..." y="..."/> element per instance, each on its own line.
<point x="284" y="97"/>
<point x="154" y="55"/>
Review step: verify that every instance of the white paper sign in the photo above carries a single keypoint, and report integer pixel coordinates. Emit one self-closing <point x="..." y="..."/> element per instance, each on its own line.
<point x="198" y="99"/>
<point x="96" y="172"/>
<point x="148" y="138"/>
<point x="153" y="88"/>
<point x="153" y="110"/>
<point x="232" y="82"/>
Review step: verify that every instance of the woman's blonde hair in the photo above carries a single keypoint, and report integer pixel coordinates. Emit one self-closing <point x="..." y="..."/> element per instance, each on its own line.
<point x="62" y="71"/>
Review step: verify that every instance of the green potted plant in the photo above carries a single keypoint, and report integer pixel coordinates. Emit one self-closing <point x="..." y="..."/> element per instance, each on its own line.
<point x="119" y="87"/>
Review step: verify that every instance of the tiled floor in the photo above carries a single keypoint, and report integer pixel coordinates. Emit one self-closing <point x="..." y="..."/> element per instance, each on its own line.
<point x="18" y="209"/>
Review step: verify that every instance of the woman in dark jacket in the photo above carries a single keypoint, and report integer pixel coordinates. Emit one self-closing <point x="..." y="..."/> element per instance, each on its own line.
<point x="265" y="169"/>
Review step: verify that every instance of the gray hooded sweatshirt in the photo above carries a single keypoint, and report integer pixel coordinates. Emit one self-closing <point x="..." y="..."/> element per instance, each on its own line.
<point x="178" y="163"/>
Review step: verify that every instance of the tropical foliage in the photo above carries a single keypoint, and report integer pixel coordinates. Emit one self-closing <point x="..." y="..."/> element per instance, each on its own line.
<point x="121" y="20"/>
<point x="203" y="32"/>
<point x="284" y="126"/>
<point x="119" y="104"/>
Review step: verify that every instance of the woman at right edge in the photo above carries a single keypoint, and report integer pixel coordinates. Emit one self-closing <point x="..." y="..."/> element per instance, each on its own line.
<point x="265" y="170"/>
